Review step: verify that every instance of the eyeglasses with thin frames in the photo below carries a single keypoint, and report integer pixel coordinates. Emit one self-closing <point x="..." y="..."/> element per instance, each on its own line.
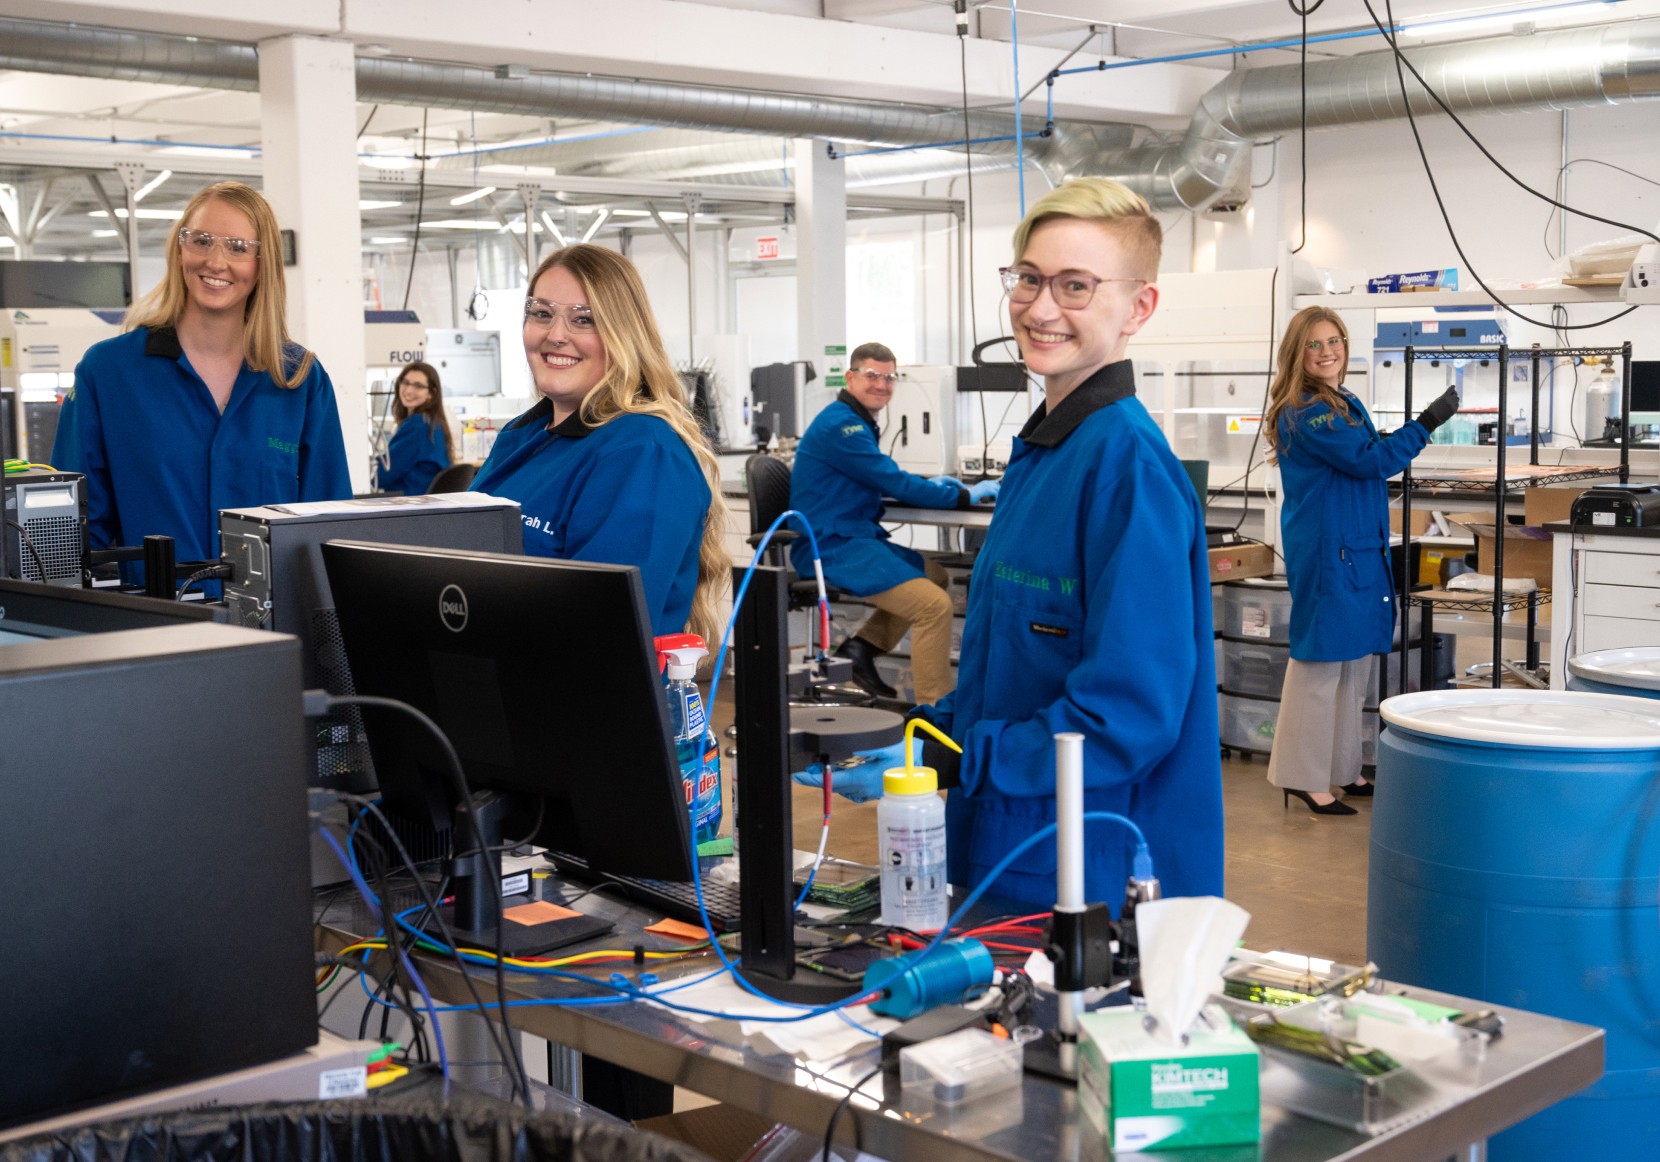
<point x="1315" y="346"/>
<point x="870" y="377"/>
<point x="1071" y="289"/>
<point x="540" y="314"/>
<point x="201" y="242"/>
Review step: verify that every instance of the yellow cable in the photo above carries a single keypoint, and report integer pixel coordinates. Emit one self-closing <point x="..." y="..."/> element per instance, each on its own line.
<point x="387" y="1076"/>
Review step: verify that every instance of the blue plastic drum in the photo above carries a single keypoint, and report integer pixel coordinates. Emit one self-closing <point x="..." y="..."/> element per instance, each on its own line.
<point x="1634" y="671"/>
<point x="1515" y="858"/>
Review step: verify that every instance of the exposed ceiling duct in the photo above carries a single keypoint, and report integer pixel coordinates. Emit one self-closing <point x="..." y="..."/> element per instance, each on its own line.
<point x="1548" y="70"/>
<point x="1208" y="164"/>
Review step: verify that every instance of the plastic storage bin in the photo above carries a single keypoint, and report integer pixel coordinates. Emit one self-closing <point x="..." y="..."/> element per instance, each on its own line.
<point x="1248" y="723"/>
<point x="1252" y="667"/>
<point x="1257" y="609"/>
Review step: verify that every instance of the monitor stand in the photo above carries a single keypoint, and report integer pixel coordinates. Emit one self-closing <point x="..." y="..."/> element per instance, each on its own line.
<point x="474" y="920"/>
<point x="766" y="893"/>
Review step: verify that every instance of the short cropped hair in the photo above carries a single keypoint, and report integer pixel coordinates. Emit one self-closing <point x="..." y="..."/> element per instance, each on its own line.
<point x="1121" y="211"/>
<point x="873" y="352"/>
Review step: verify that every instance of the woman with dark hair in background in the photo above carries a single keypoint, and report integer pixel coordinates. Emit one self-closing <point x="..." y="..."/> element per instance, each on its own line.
<point x="422" y="446"/>
<point x="1334" y="514"/>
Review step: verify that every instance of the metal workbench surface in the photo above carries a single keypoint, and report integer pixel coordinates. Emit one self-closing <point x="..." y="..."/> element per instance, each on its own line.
<point x="1539" y="1060"/>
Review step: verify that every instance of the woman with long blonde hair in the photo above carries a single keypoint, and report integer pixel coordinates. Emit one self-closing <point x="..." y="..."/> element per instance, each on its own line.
<point x="610" y="465"/>
<point x="204" y="402"/>
<point x="1334" y="470"/>
<point x="421" y="447"/>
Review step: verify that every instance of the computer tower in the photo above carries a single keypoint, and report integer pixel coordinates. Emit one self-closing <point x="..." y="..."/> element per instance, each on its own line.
<point x="45" y="527"/>
<point x="278" y="583"/>
<point x="157" y="926"/>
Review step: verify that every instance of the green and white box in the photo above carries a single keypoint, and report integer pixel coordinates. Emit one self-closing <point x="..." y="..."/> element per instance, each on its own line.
<point x="1141" y="1094"/>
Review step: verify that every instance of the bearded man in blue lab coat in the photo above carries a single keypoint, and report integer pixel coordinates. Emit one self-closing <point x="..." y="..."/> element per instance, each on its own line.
<point x="840" y="476"/>
<point x="1089" y="607"/>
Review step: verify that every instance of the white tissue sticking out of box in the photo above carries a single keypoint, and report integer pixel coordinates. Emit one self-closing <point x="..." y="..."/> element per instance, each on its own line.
<point x="1185" y="943"/>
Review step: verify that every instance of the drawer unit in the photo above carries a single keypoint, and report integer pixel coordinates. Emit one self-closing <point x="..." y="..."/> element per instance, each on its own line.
<point x="1248" y="723"/>
<point x="1627" y="601"/>
<point x="1612" y="633"/>
<point x="1603" y="568"/>
<point x="1257" y="609"/>
<point x="1249" y="667"/>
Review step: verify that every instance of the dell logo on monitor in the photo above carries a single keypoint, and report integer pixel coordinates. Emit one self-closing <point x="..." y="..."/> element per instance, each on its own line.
<point x="452" y="608"/>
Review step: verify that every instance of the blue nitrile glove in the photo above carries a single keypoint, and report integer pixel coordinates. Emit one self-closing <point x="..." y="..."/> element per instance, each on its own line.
<point x="862" y="783"/>
<point x="984" y="491"/>
<point x="952" y="480"/>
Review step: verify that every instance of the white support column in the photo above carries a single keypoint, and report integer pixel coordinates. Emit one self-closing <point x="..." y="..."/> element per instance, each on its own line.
<point x="308" y="110"/>
<point x="821" y="252"/>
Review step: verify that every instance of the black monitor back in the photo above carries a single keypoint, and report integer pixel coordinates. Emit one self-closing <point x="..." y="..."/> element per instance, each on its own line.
<point x="543" y="675"/>
<point x="157" y="924"/>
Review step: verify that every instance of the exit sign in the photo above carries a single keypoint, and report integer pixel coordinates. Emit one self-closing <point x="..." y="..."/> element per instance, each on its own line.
<point x="766" y="247"/>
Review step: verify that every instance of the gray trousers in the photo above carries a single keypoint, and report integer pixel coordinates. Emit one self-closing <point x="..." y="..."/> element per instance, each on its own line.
<point x="1317" y="740"/>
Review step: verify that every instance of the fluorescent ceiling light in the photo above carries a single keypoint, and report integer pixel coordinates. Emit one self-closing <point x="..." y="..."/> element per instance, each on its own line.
<point x="150" y="185"/>
<point x="558" y="234"/>
<point x="460" y="224"/>
<point x="463" y="199"/>
<point x="385" y="240"/>
<point x="6" y="244"/>
<point x="106" y="233"/>
<point x="210" y="151"/>
<point x="142" y="214"/>
<point x="593" y="227"/>
<point x="632" y="213"/>
<point x="1509" y="17"/>
<point x="365" y="204"/>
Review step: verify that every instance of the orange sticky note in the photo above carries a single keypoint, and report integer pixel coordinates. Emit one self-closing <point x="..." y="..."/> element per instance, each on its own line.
<point x="678" y="930"/>
<point x="541" y="912"/>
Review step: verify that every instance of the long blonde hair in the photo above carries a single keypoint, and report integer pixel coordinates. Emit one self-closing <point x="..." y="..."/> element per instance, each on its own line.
<point x="1292" y="388"/>
<point x="267" y="346"/>
<point x="639" y="379"/>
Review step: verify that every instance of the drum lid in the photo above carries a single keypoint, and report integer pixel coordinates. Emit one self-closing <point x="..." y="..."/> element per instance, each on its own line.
<point x="1638" y="667"/>
<point x="1530" y="718"/>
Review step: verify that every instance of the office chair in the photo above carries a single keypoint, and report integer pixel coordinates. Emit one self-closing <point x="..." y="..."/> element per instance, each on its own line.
<point x="455" y="478"/>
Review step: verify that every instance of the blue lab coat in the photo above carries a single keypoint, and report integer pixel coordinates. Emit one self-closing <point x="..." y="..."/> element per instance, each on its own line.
<point x="629" y="492"/>
<point x="414" y="456"/>
<point x="159" y="457"/>
<point x="1334" y="517"/>
<point x="839" y="479"/>
<point x="1089" y="610"/>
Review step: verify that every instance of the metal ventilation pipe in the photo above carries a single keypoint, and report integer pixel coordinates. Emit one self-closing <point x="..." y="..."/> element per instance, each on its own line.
<point x="1548" y="70"/>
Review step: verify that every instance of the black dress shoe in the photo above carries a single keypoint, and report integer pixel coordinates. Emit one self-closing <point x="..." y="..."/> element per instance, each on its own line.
<point x="863" y="655"/>
<point x="1363" y="790"/>
<point x="1335" y="807"/>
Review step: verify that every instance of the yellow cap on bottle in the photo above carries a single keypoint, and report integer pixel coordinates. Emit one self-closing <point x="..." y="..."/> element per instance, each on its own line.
<point x="911" y="779"/>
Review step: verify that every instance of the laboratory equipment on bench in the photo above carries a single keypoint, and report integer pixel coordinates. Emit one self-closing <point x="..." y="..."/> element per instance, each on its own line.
<point x="44" y="537"/>
<point x="1610" y="506"/>
<point x="919" y="425"/>
<point x="39" y="348"/>
<point x="910" y="841"/>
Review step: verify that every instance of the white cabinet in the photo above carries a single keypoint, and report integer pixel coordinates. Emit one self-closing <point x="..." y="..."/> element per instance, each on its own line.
<point x="1606" y="595"/>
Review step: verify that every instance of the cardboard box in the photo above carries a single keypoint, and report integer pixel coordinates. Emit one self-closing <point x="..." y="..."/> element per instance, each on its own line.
<point x="1543" y="505"/>
<point x="1451" y="524"/>
<point x="1528" y="552"/>
<point x="723" y="1132"/>
<point x="1231" y="562"/>
<point x="1142" y="1095"/>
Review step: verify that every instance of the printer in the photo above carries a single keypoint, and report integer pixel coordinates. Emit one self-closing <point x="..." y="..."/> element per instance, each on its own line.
<point x="1632" y="506"/>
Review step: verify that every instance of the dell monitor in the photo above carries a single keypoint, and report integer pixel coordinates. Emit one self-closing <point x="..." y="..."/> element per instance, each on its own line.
<point x="543" y="675"/>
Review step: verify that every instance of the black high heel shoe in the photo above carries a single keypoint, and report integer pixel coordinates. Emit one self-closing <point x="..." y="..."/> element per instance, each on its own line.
<point x="1363" y="790"/>
<point x="1335" y="807"/>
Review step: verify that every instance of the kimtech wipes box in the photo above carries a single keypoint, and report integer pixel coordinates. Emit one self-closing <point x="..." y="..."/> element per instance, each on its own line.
<point x="1143" y="1094"/>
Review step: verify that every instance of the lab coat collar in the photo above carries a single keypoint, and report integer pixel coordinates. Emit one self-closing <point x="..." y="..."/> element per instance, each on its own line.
<point x="859" y="409"/>
<point x="571" y="427"/>
<point x="1106" y="387"/>
<point x="163" y="341"/>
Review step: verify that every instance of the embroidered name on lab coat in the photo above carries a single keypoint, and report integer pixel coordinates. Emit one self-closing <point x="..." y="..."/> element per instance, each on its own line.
<point x="1051" y="630"/>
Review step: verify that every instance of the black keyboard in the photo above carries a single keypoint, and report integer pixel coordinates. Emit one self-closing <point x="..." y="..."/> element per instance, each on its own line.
<point x="676" y="899"/>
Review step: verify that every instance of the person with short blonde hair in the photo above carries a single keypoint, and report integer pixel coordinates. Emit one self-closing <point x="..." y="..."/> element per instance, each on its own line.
<point x="205" y="402"/>
<point x="610" y="464"/>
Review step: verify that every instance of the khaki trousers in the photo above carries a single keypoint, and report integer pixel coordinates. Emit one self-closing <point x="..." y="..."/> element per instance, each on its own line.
<point x="924" y="607"/>
<point x="1317" y="739"/>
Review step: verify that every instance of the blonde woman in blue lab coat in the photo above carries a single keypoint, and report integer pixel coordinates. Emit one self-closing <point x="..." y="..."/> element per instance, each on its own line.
<point x="1334" y="471"/>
